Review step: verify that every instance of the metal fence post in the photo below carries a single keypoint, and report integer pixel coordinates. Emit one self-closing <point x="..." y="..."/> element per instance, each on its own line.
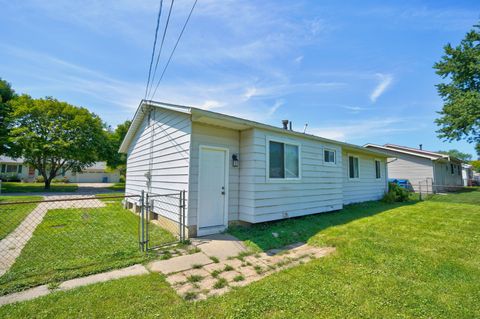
<point x="184" y="207"/>
<point x="420" y="190"/>
<point x="180" y="216"/>
<point x="142" y="225"/>
<point x="147" y="222"/>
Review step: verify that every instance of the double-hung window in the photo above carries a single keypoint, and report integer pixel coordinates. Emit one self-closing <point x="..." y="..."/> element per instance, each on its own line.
<point x="353" y="167"/>
<point x="329" y="156"/>
<point x="284" y="160"/>
<point x="377" y="169"/>
<point x="452" y="169"/>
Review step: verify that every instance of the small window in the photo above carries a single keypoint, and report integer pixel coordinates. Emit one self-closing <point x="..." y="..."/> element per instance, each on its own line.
<point x="12" y="168"/>
<point x="283" y="160"/>
<point x="452" y="169"/>
<point x="377" y="169"/>
<point x="353" y="167"/>
<point x="329" y="156"/>
<point x="459" y="170"/>
<point x="4" y="167"/>
<point x="20" y="169"/>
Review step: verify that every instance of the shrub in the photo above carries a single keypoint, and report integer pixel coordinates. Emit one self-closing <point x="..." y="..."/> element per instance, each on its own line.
<point x="121" y="179"/>
<point x="39" y="179"/>
<point x="396" y="194"/>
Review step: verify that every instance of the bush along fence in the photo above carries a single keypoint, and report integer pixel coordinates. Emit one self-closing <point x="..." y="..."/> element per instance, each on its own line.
<point x="62" y="238"/>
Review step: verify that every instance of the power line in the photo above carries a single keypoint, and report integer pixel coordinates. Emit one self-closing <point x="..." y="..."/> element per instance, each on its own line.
<point x="161" y="45"/>
<point x="154" y="45"/>
<point x="173" y="51"/>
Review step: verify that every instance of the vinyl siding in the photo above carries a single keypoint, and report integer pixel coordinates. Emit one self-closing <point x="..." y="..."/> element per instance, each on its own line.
<point x="318" y="190"/>
<point x="170" y="154"/>
<point x="203" y="134"/>
<point x="367" y="186"/>
<point x="416" y="169"/>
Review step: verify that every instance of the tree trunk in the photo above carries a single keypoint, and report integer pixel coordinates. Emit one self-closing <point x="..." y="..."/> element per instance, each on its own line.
<point x="47" y="181"/>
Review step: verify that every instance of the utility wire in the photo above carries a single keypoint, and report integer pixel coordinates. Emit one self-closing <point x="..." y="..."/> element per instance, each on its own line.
<point x="154" y="46"/>
<point x="173" y="51"/>
<point x="161" y="44"/>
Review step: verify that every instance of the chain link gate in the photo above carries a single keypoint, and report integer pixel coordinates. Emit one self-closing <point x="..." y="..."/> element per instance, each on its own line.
<point x="165" y="210"/>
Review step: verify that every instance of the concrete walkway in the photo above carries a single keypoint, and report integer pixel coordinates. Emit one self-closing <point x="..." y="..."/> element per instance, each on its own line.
<point x="43" y="290"/>
<point x="12" y="245"/>
<point x="219" y="246"/>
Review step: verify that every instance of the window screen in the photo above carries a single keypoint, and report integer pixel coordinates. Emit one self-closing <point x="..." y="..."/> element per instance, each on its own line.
<point x="284" y="160"/>
<point x="353" y="167"/>
<point x="377" y="169"/>
<point x="329" y="156"/>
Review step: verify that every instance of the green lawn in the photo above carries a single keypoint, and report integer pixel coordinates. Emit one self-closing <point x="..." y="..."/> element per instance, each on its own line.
<point x="117" y="187"/>
<point x="14" y="187"/>
<point x="417" y="260"/>
<point x="12" y="215"/>
<point x="76" y="242"/>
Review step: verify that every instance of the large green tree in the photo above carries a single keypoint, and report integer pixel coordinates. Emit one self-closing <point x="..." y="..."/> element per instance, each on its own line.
<point x="460" y="67"/>
<point x="115" y="159"/>
<point x="457" y="154"/>
<point x="51" y="135"/>
<point x="6" y="94"/>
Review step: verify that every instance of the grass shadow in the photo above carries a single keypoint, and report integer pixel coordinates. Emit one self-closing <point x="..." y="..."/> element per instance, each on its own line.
<point x="276" y="234"/>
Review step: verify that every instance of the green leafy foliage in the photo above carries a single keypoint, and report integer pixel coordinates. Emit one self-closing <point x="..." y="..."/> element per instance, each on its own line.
<point x="460" y="66"/>
<point x="115" y="139"/>
<point x="396" y="194"/>
<point x="51" y="135"/>
<point x="476" y="165"/>
<point x="457" y="154"/>
<point x="6" y="94"/>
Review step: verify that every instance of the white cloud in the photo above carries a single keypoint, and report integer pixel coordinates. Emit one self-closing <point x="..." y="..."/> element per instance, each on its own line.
<point x="385" y="80"/>
<point x="210" y="104"/>
<point x="275" y="107"/>
<point x="298" y="59"/>
<point x="356" y="130"/>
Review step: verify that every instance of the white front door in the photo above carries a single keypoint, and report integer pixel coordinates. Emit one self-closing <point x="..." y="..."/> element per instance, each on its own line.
<point x="212" y="190"/>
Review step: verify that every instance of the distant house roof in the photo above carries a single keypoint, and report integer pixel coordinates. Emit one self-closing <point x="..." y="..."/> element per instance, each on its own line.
<point x="413" y="151"/>
<point x="228" y="121"/>
<point x="9" y="160"/>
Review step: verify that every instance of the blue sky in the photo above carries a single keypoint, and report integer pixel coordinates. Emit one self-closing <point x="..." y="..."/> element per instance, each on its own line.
<point x="357" y="71"/>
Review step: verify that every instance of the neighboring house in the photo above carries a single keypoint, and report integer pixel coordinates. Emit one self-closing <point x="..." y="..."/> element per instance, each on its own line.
<point x="426" y="171"/>
<point x="236" y="170"/>
<point x="467" y="174"/>
<point x="11" y="168"/>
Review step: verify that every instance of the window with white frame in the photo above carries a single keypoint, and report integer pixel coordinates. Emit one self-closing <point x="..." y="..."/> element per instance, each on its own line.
<point x="284" y="160"/>
<point x="378" y="173"/>
<point x="353" y="167"/>
<point x="12" y="168"/>
<point x="329" y="156"/>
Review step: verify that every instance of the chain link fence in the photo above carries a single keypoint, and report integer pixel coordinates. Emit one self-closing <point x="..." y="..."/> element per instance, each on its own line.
<point x="70" y="236"/>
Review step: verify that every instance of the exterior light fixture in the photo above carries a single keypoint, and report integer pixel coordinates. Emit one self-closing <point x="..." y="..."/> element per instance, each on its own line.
<point x="234" y="160"/>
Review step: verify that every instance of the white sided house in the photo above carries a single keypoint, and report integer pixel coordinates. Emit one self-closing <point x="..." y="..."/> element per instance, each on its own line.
<point x="425" y="170"/>
<point x="240" y="171"/>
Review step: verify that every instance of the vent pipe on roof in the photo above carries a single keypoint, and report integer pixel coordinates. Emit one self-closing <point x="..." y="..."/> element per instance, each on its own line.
<point x="290" y="126"/>
<point x="420" y="146"/>
<point x="305" y="128"/>
<point x="285" y="124"/>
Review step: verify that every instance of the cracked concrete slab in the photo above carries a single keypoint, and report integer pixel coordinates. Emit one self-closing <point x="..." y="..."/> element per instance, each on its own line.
<point x="43" y="290"/>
